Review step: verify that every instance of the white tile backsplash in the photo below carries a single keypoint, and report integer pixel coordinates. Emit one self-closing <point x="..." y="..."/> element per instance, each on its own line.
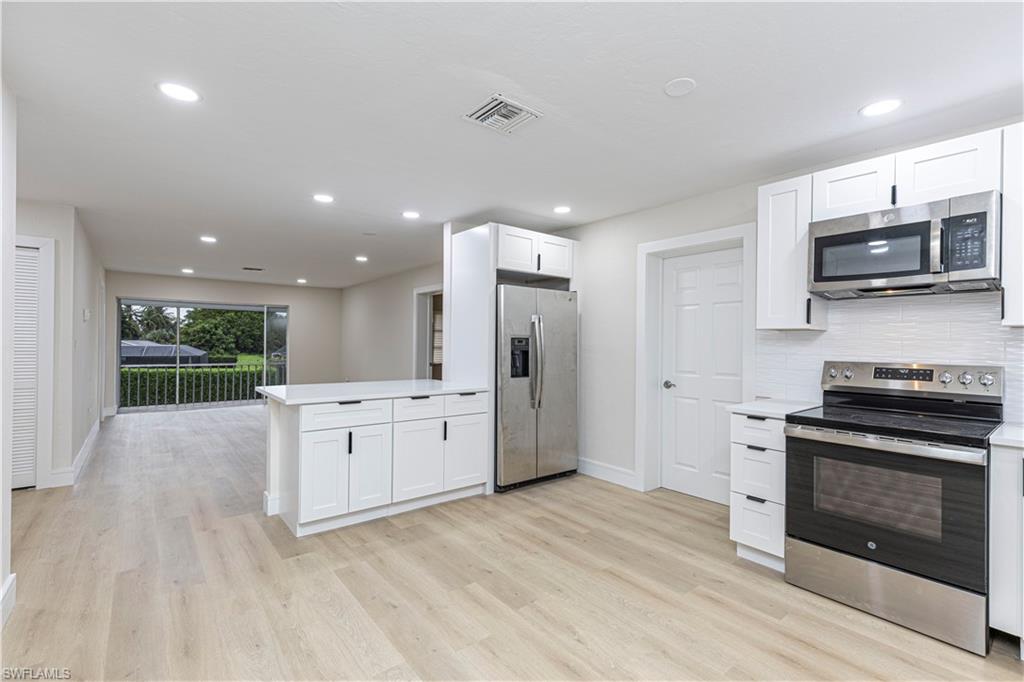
<point x="945" y="328"/>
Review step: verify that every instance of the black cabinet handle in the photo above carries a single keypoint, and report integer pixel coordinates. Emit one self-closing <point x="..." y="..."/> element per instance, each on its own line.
<point x="350" y="442"/>
<point x="756" y="447"/>
<point x="419" y="397"/>
<point x="759" y="500"/>
<point x="892" y="195"/>
<point x="538" y="262"/>
<point x="465" y="394"/>
<point x="755" y="417"/>
<point x="808" y="313"/>
<point x="444" y="434"/>
<point x="349" y="402"/>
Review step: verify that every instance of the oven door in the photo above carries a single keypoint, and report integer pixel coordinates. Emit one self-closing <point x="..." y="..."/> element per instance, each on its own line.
<point x="878" y="251"/>
<point x="912" y="506"/>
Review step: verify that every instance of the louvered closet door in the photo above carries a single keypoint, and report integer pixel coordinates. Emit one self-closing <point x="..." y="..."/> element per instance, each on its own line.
<point x="26" y="367"/>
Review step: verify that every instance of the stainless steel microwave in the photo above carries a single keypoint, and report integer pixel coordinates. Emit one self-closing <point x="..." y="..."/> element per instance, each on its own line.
<point x="939" y="247"/>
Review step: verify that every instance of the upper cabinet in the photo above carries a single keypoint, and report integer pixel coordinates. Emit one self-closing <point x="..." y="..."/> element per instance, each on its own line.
<point x="783" y="216"/>
<point x="950" y="168"/>
<point x="522" y="250"/>
<point x="854" y="188"/>
<point x="1013" y="225"/>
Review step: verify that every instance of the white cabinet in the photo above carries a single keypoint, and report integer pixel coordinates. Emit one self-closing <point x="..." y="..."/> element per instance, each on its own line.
<point x="757" y="523"/>
<point x="369" y="472"/>
<point x="854" y="188"/>
<point x="758" y="471"/>
<point x="346" y="413"/>
<point x="522" y="250"/>
<point x="418" y="459"/>
<point x="465" y="451"/>
<point x="964" y="165"/>
<point x="1006" y="540"/>
<point x="419" y="407"/>
<point x="1013" y="225"/>
<point x="323" y="474"/>
<point x="783" y="215"/>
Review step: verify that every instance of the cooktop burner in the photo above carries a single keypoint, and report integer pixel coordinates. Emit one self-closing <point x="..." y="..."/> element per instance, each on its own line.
<point x="915" y="426"/>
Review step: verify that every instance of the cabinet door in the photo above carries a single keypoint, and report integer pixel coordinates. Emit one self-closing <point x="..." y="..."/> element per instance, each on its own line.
<point x="1013" y="225"/>
<point x="465" y="451"/>
<point x="369" y="472"/>
<point x="323" y="474"/>
<point x="947" y="169"/>
<point x="555" y="255"/>
<point x="418" y="459"/>
<point x="1005" y="547"/>
<point x="854" y="188"/>
<point x="517" y="249"/>
<point x="783" y="215"/>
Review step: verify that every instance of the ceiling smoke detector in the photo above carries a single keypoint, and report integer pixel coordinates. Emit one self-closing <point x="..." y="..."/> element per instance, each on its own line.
<point x="502" y="114"/>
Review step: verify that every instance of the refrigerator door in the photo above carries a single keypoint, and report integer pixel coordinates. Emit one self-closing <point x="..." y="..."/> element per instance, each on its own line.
<point x="516" y="450"/>
<point x="556" y="412"/>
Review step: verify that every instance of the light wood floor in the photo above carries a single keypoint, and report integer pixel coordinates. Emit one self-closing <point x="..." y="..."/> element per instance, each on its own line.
<point x="160" y="565"/>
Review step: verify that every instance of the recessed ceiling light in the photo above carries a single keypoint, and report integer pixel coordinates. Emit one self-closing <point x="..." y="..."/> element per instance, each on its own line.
<point x="879" y="242"/>
<point x="179" y="92"/>
<point x="208" y="239"/>
<point x="411" y="215"/>
<point x="677" y="87"/>
<point x="884" y="106"/>
<point x="187" y="271"/>
<point x="323" y="198"/>
<point x="562" y="209"/>
<point x="361" y="259"/>
<point x="300" y="281"/>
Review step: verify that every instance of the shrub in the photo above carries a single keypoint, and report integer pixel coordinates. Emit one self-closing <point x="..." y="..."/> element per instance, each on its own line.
<point x="143" y="386"/>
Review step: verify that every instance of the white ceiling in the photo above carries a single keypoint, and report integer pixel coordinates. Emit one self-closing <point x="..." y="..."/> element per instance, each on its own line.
<point x="364" y="101"/>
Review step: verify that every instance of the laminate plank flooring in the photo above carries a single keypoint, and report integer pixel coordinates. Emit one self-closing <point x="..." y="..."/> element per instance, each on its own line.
<point x="159" y="565"/>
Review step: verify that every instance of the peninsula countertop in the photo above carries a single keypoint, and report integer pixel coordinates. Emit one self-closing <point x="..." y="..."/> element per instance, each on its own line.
<point x="311" y="394"/>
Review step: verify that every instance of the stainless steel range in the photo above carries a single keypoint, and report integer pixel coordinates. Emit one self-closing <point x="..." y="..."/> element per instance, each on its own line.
<point x="887" y="494"/>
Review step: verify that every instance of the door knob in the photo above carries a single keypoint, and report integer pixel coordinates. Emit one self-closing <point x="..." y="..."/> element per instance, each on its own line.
<point x="668" y="384"/>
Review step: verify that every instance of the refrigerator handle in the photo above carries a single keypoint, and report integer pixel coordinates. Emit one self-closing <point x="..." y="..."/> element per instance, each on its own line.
<point x="534" y="359"/>
<point x="541" y="360"/>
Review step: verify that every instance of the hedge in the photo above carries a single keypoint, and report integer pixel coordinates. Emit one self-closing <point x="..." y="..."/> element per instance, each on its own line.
<point x="142" y="386"/>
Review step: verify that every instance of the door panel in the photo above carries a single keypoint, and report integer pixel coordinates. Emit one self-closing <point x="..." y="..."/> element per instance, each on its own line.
<point x="25" y="417"/>
<point x="465" y="451"/>
<point x="555" y="255"/>
<point x="418" y="459"/>
<point x="517" y="419"/>
<point x="964" y="165"/>
<point x="556" y="416"/>
<point x="702" y="355"/>
<point x="370" y="467"/>
<point x="517" y="249"/>
<point x="854" y="188"/>
<point x="324" y="474"/>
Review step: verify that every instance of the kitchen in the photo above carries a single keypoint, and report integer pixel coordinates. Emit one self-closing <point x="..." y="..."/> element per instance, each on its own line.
<point x="776" y="420"/>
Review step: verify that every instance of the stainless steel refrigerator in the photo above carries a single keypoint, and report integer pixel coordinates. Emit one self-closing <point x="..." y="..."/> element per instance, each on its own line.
<point x="536" y="401"/>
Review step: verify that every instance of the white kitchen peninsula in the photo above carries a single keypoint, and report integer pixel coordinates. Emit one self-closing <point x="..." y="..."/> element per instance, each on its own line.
<point x="339" y="454"/>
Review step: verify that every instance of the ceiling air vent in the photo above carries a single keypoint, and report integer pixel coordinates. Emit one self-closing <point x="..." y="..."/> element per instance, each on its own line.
<point x="249" y="268"/>
<point x="502" y="114"/>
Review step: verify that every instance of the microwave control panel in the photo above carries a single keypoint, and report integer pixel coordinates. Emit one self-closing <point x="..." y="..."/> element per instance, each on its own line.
<point x="966" y="235"/>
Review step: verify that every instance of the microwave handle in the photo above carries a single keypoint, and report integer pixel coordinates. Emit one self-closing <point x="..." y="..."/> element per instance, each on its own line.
<point x="938" y="247"/>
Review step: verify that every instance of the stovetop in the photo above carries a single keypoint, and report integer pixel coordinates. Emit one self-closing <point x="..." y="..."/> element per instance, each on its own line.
<point x="899" y="424"/>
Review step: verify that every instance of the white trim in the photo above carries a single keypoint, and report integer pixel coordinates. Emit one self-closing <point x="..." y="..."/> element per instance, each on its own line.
<point x="9" y="596"/>
<point x="109" y="411"/>
<point x="46" y="337"/>
<point x="271" y="505"/>
<point x="609" y="473"/>
<point x="418" y="321"/>
<point x="85" y="452"/>
<point x="650" y="256"/>
<point x="759" y="557"/>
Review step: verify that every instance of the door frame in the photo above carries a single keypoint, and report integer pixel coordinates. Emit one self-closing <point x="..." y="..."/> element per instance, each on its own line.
<point x="649" y="272"/>
<point x="47" y="321"/>
<point x="422" y="311"/>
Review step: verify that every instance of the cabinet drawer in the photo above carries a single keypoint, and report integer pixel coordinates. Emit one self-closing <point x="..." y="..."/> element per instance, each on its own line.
<point x="758" y="472"/>
<point x="426" y="407"/>
<point x="465" y="403"/>
<point x="341" y="415"/>
<point x="761" y="525"/>
<point x="748" y="430"/>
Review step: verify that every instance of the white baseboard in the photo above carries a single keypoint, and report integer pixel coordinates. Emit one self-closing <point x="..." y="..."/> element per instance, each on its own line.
<point x="759" y="557"/>
<point x="8" y="594"/>
<point x="109" y="411"/>
<point x="610" y="473"/>
<point x="85" y="452"/>
<point x="271" y="505"/>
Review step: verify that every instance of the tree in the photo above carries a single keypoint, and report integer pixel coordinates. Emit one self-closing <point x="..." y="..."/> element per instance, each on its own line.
<point x="152" y="320"/>
<point x="212" y="335"/>
<point x="245" y="327"/>
<point x="130" y="328"/>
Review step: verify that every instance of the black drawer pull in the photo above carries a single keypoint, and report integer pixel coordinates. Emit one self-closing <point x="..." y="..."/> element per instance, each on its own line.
<point x="755" y="417"/>
<point x="759" y="500"/>
<point x="419" y="397"/>
<point x="756" y="447"/>
<point x="350" y="442"/>
<point x="349" y="402"/>
<point x="444" y="435"/>
<point x="465" y="394"/>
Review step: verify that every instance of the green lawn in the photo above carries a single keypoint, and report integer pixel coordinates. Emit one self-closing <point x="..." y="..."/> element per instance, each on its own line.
<point x="247" y="359"/>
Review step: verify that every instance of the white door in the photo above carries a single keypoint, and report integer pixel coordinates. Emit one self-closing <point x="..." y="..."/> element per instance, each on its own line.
<point x="702" y="363"/>
<point x="369" y="471"/>
<point x="517" y="249"/>
<point x="418" y="468"/>
<point x="555" y="255"/>
<point x="854" y="188"/>
<point x="465" y="451"/>
<point x="964" y="165"/>
<point x="25" y="425"/>
<point x="323" y="466"/>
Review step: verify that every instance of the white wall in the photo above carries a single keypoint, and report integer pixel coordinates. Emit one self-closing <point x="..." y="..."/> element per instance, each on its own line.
<point x="8" y="194"/>
<point x="608" y="319"/>
<point x="86" y="399"/>
<point x="377" y="325"/>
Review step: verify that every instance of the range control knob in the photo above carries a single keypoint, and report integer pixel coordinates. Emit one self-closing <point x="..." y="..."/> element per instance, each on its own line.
<point x="848" y="373"/>
<point x="945" y="378"/>
<point x="833" y="372"/>
<point x="966" y="378"/>
<point x="986" y="379"/>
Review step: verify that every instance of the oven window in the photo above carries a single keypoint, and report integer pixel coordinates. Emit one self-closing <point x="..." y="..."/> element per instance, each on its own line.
<point x="902" y="254"/>
<point x="897" y="500"/>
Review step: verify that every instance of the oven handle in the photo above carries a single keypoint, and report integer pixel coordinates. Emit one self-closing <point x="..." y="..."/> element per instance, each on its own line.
<point x="951" y="453"/>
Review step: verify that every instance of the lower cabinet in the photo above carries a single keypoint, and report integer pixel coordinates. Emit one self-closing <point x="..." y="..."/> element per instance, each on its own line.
<point x="465" y="446"/>
<point x="323" y="474"/>
<point x="434" y="455"/>
<point x="369" y="467"/>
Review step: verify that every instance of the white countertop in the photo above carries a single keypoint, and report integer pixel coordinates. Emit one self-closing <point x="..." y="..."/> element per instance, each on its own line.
<point x="1008" y="435"/>
<point x="772" y="408"/>
<point x="310" y="394"/>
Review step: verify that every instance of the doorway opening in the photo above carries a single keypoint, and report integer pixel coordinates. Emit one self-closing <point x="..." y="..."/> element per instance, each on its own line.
<point x="428" y="332"/>
<point x="176" y="355"/>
